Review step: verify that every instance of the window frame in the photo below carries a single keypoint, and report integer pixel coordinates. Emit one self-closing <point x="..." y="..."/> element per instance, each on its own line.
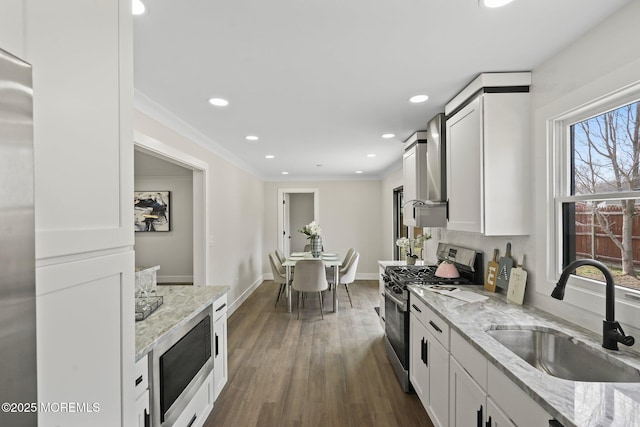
<point x="582" y="292"/>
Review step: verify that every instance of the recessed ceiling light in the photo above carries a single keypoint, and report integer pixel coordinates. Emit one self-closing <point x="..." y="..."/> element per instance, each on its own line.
<point x="137" y="7"/>
<point x="494" y="3"/>
<point x="285" y="173"/>
<point x="218" y="102"/>
<point x="251" y="138"/>
<point x="371" y="155"/>
<point x="269" y="156"/>
<point x="388" y="135"/>
<point x="358" y="171"/>
<point x="416" y="99"/>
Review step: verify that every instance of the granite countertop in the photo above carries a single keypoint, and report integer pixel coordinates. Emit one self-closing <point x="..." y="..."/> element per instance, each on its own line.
<point x="579" y="404"/>
<point x="180" y="304"/>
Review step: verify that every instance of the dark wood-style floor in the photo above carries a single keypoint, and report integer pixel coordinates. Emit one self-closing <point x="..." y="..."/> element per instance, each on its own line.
<point x="311" y="372"/>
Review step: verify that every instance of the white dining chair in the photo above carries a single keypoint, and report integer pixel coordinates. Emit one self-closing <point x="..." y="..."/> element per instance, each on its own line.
<point x="279" y="274"/>
<point x="343" y="267"/>
<point x="310" y="277"/>
<point x="347" y="275"/>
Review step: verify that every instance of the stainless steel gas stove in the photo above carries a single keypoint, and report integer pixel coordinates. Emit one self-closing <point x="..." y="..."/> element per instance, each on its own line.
<point x="468" y="263"/>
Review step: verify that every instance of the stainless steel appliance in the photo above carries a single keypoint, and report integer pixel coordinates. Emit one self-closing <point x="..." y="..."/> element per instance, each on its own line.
<point x="17" y="242"/>
<point x="181" y="364"/>
<point x="431" y="205"/>
<point x="468" y="262"/>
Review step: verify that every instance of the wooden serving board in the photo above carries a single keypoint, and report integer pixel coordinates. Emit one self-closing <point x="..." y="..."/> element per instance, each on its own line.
<point x="492" y="273"/>
<point x="517" y="283"/>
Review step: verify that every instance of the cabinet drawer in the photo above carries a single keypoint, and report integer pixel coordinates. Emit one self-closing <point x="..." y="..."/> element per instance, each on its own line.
<point x="198" y="409"/>
<point x="142" y="375"/>
<point x="470" y="359"/>
<point x="514" y="402"/>
<point x="434" y="323"/>
<point x="220" y="307"/>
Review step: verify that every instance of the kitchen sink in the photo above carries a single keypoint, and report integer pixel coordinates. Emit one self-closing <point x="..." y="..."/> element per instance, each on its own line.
<point x="559" y="355"/>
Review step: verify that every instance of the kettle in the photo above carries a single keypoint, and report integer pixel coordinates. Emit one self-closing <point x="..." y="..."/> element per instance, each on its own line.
<point x="447" y="270"/>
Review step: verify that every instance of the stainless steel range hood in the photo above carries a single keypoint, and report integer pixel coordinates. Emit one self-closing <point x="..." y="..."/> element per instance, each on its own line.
<point x="429" y="203"/>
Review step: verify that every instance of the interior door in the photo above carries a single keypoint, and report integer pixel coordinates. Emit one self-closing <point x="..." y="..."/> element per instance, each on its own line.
<point x="286" y="225"/>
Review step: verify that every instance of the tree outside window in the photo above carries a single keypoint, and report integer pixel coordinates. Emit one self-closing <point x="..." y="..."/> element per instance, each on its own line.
<point x="606" y="165"/>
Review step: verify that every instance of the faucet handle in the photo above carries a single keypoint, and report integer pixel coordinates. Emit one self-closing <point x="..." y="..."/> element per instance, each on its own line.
<point x="625" y="339"/>
<point x="613" y="334"/>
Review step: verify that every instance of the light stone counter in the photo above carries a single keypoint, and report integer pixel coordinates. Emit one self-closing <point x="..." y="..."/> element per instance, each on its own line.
<point x="579" y="404"/>
<point x="180" y="304"/>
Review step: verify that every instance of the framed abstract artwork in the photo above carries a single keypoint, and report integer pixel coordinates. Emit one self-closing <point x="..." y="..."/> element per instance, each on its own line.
<point x="151" y="210"/>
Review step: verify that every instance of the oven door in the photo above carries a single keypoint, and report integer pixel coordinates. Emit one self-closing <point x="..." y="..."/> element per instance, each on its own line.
<point x="397" y="326"/>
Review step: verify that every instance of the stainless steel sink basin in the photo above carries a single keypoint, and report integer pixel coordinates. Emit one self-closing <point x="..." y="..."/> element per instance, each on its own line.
<point x="557" y="354"/>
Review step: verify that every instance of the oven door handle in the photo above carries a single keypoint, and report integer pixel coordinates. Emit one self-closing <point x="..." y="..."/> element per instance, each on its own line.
<point x="402" y="305"/>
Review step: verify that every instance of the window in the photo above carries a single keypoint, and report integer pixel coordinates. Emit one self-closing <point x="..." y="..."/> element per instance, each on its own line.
<point x="598" y="192"/>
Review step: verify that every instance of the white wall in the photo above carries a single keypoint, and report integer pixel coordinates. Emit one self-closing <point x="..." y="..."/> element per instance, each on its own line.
<point x="350" y="216"/>
<point x="602" y="61"/>
<point x="172" y="250"/>
<point x="235" y="219"/>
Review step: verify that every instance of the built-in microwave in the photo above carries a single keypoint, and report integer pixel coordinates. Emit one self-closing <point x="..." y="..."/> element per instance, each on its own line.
<point x="181" y="363"/>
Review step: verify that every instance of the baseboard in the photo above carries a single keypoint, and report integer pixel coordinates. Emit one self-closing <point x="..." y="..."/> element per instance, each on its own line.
<point x="175" y="279"/>
<point x="367" y="276"/>
<point x="246" y="294"/>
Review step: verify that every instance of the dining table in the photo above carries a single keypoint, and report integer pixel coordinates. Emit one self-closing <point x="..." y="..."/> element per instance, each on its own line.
<point x="329" y="259"/>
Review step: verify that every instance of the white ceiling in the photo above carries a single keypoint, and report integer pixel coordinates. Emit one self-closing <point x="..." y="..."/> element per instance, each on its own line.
<point x="320" y="81"/>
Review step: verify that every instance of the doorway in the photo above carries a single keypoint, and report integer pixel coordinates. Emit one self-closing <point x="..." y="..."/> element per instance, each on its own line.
<point x="198" y="175"/>
<point x="296" y="208"/>
<point x="399" y="229"/>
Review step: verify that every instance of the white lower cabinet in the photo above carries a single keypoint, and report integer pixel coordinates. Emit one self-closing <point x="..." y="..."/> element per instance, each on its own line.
<point x="497" y="418"/>
<point x="456" y="384"/>
<point x="429" y="362"/>
<point x="220" y="368"/>
<point x="198" y="409"/>
<point x="516" y="404"/>
<point x="381" y="292"/>
<point x="467" y="399"/>
<point x="143" y="408"/>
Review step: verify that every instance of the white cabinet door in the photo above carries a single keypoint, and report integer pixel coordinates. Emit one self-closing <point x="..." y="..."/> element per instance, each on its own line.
<point x="464" y="169"/>
<point x="468" y="400"/>
<point x="429" y="371"/>
<point x="495" y="416"/>
<point x="142" y="410"/>
<point x="381" y="292"/>
<point x="418" y="359"/>
<point x="220" y="369"/>
<point x="409" y="188"/>
<point x="438" y="359"/>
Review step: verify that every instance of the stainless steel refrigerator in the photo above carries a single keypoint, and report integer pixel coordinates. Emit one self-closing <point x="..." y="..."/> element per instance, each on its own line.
<point x="17" y="245"/>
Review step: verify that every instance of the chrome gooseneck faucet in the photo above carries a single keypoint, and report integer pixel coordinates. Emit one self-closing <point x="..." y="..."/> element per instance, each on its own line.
<point x="612" y="332"/>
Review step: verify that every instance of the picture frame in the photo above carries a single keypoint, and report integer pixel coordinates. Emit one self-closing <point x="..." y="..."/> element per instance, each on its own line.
<point x="152" y="211"/>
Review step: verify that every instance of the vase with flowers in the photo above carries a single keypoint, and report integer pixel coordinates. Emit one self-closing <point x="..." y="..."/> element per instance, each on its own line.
<point x="312" y="231"/>
<point x="413" y="247"/>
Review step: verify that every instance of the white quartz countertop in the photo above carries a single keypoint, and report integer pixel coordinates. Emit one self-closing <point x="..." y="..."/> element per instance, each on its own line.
<point x="578" y="404"/>
<point x="180" y="304"/>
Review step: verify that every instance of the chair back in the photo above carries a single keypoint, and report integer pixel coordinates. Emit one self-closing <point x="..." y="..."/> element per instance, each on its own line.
<point x="347" y="257"/>
<point x="349" y="274"/>
<point x="280" y="256"/>
<point x="276" y="266"/>
<point x="310" y="276"/>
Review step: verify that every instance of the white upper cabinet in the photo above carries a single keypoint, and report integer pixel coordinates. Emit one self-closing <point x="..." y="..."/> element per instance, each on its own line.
<point x="414" y="177"/>
<point x="488" y="166"/>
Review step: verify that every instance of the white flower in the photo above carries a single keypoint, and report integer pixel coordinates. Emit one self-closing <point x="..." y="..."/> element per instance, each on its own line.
<point x="311" y="229"/>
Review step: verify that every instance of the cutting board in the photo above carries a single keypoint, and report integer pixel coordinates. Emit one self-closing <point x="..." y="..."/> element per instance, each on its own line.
<point x="492" y="273"/>
<point x="517" y="283"/>
<point x="504" y="268"/>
